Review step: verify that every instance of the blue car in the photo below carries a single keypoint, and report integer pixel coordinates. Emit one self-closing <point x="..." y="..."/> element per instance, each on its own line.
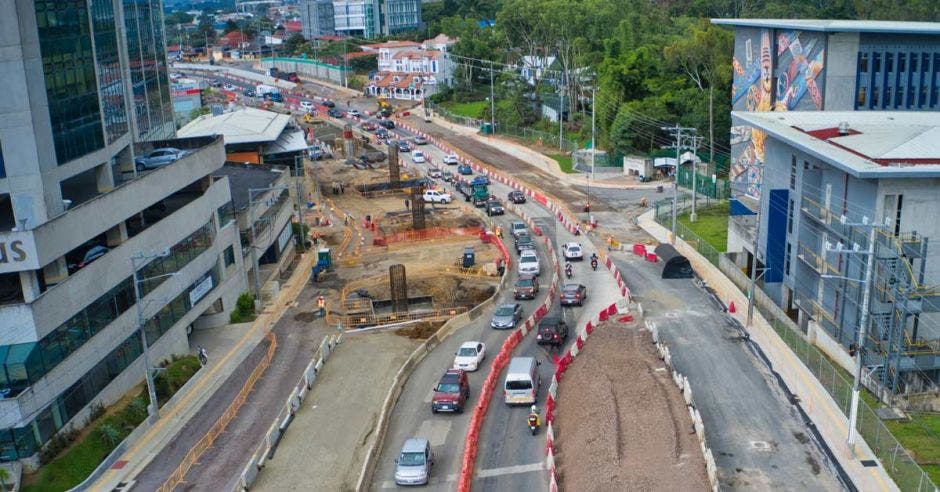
<point x="480" y="180"/>
<point x="465" y="169"/>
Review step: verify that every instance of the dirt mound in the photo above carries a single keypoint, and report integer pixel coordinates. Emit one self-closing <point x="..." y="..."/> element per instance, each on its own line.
<point x="420" y="331"/>
<point x="621" y="423"/>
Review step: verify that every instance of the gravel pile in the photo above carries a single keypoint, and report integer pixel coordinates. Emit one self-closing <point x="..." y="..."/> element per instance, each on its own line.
<point x="621" y="423"/>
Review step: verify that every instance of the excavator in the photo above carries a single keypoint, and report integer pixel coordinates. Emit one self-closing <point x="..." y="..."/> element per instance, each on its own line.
<point x="384" y="106"/>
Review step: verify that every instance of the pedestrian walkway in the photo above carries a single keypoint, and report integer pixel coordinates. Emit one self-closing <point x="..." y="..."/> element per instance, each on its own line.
<point x="326" y="444"/>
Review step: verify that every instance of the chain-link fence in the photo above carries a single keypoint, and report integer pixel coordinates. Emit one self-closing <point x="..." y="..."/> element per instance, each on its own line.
<point x="537" y="136"/>
<point x="706" y="186"/>
<point x="455" y="118"/>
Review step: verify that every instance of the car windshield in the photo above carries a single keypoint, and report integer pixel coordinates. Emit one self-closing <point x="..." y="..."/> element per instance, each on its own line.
<point x="525" y="282"/>
<point x="574" y="249"/>
<point x="448" y="388"/>
<point x="467" y="352"/>
<point x="411" y="459"/>
<point x="518" y="385"/>
<point x="504" y="311"/>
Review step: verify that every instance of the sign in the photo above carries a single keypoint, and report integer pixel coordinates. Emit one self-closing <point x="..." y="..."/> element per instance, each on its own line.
<point x="199" y="291"/>
<point x="284" y="237"/>
<point x="18" y="252"/>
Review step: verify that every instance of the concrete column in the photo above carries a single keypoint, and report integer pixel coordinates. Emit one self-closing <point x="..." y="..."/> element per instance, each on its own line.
<point x="806" y="326"/>
<point x="104" y="177"/>
<point x="29" y="282"/>
<point x="56" y="272"/>
<point x="116" y="235"/>
<point x="125" y="160"/>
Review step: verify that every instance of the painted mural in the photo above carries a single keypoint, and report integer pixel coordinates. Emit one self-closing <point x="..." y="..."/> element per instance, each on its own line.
<point x="773" y="71"/>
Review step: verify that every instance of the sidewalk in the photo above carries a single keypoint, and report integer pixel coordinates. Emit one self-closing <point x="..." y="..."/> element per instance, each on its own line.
<point x="829" y="420"/>
<point x="326" y="443"/>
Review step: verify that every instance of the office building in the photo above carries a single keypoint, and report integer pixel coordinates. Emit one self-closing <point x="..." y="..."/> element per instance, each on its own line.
<point x="836" y="119"/>
<point x="365" y="18"/>
<point x="316" y="17"/>
<point x="82" y="215"/>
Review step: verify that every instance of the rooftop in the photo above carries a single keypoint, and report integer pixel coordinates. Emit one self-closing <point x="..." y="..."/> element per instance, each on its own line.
<point x="242" y="126"/>
<point x="876" y="144"/>
<point x="892" y="27"/>
<point x="391" y="44"/>
<point x="242" y="177"/>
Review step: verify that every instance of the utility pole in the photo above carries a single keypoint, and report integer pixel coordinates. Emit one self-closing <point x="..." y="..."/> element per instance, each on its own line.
<point x="753" y="283"/>
<point x="492" y="103"/>
<point x="561" y="114"/>
<point x="300" y="173"/>
<point x="696" y="141"/>
<point x="153" y="408"/>
<point x="593" y="133"/>
<point x="677" y="132"/>
<point x="863" y="315"/>
<point x="253" y="247"/>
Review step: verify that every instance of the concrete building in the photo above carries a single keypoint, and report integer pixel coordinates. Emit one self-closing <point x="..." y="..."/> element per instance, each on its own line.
<point x="825" y="171"/>
<point x="252" y="135"/>
<point x="317" y="18"/>
<point x="408" y="70"/>
<point x="373" y="18"/>
<point x="79" y="221"/>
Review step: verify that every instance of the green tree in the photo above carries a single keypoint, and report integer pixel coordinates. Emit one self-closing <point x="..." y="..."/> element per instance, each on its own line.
<point x="230" y="26"/>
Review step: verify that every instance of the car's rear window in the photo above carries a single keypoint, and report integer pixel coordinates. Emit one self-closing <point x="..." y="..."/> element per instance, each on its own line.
<point x="504" y="311"/>
<point x="527" y="282"/>
<point x="467" y="351"/>
<point x="518" y="385"/>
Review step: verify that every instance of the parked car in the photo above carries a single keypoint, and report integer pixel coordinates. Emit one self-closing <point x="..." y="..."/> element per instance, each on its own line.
<point x="335" y="113"/>
<point x="517" y="227"/>
<point x="529" y="263"/>
<point x="451" y="392"/>
<point x="434" y="196"/>
<point x="507" y="315"/>
<point x="414" y="462"/>
<point x="494" y="207"/>
<point x="417" y="156"/>
<point x="369" y="126"/>
<point x="354" y="112"/>
<point x="469" y="356"/>
<point x="572" y="251"/>
<point x="91" y="255"/>
<point x="516" y="196"/>
<point x="435" y="173"/>
<point x="552" y="331"/>
<point x="465" y="169"/>
<point x="572" y="294"/>
<point x="306" y="106"/>
<point x="158" y="158"/>
<point x="419" y="140"/>
<point x="387" y="124"/>
<point x="526" y="287"/>
<point x="328" y="103"/>
<point x="451" y="160"/>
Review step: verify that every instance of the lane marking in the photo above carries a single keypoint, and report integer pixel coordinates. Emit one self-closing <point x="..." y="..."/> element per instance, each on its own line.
<point x="452" y="478"/>
<point x="510" y="470"/>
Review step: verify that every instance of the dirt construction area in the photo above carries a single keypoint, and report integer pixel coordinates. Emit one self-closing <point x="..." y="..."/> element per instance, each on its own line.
<point x="635" y="434"/>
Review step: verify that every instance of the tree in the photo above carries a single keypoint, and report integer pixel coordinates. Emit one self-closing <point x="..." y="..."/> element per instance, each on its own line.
<point x="294" y="44"/>
<point x="230" y="26"/>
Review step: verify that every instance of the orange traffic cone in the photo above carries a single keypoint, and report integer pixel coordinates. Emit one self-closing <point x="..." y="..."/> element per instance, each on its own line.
<point x="731" y="308"/>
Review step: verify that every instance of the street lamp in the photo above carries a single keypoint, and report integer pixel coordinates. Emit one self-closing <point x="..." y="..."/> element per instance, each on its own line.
<point x="153" y="408"/>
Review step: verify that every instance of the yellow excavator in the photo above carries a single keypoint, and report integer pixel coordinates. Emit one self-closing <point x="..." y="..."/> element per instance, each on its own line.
<point x="384" y="106"/>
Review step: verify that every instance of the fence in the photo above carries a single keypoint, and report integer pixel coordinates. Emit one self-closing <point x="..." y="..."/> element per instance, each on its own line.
<point x="216" y="430"/>
<point x="907" y="474"/>
<point x="528" y="134"/>
<point x="719" y="189"/>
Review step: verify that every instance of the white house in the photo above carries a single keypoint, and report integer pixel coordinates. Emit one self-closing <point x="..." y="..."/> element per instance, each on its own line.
<point x="538" y="68"/>
<point x="407" y="70"/>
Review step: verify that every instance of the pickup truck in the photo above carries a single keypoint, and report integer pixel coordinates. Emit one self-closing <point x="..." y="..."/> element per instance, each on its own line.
<point x="434" y="196"/>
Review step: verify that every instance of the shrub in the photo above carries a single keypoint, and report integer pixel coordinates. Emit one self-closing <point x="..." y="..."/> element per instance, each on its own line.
<point x="244" y="309"/>
<point x="109" y="433"/>
<point x="169" y="381"/>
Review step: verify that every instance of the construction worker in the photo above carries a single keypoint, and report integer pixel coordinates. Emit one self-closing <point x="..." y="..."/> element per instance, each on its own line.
<point x="499" y="231"/>
<point x="321" y="305"/>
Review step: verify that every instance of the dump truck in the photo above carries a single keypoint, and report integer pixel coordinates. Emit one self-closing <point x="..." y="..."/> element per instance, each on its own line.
<point x="476" y="193"/>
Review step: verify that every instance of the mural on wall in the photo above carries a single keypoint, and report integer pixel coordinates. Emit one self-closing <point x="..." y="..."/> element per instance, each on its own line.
<point x="772" y="72"/>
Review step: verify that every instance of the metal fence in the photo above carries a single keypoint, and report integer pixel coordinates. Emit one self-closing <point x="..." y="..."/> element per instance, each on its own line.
<point x="718" y="189"/>
<point x="544" y="138"/>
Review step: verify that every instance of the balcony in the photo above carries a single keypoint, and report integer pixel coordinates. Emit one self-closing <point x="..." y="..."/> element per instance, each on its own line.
<point x="28" y="250"/>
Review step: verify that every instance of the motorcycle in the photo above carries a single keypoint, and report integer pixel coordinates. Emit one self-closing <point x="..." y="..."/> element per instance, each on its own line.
<point x="568" y="271"/>
<point x="203" y="355"/>
<point x="533" y="423"/>
<point x="594" y="263"/>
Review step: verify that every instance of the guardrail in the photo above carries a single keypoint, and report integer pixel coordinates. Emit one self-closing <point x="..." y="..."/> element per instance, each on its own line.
<point x="447" y="329"/>
<point x="283" y="420"/>
<point x="205" y="443"/>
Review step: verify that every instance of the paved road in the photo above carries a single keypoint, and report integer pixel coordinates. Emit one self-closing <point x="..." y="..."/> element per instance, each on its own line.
<point x="757" y="436"/>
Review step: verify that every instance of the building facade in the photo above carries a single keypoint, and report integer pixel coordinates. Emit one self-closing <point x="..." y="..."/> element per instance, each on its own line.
<point x="400" y="15"/>
<point x="80" y="219"/>
<point x="370" y="18"/>
<point x="317" y="19"/>
<point x="408" y="70"/>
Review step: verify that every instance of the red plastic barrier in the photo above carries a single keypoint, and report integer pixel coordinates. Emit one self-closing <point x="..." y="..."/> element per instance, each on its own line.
<point x="602" y="315"/>
<point x="639" y="249"/>
<point x="579" y="342"/>
<point x="589" y="327"/>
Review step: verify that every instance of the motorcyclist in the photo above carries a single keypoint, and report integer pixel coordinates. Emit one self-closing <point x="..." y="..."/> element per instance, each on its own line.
<point x="568" y="269"/>
<point x="534" y="417"/>
<point x="594" y="261"/>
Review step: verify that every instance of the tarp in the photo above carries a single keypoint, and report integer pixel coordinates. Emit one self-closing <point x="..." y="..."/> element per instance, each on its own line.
<point x="674" y="264"/>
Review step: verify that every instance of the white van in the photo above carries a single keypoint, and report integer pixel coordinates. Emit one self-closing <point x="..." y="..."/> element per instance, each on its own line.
<point x="522" y="381"/>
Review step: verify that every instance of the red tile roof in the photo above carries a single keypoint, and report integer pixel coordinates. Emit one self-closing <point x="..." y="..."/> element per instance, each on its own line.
<point x="417" y="55"/>
<point x="293" y="26"/>
<point x="387" y="79"/>
<point x="392" y="44"/>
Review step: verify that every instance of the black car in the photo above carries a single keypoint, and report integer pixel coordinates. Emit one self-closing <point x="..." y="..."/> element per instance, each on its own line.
<point x="403" y="146"/>
<point x="572" y="294"/>
<point x="524" y="242"/>
<point x="250" y="93"/>
<point x="335" y="113"/>
<point x="381" y="133"/>
<point x="516" y="196"/>
<point x="493" y="207"/>
<point x="387" y="124"/>
<point x="552" y="331"/>
<point x="329" y="104"/>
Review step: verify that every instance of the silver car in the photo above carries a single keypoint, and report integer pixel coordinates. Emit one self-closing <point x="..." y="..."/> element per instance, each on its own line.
<point x="414" y="463"/>
<point x="507" y="315"/>
<point x="158" y="158"/>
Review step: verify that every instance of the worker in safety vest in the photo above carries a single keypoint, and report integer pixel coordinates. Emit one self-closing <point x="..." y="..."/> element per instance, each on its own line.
<point x="499" y="231"/>
<point x="321" y="305"/>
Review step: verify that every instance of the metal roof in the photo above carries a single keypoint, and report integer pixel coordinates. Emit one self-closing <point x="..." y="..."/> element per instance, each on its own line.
<point x="892" y="27"/>
<point x="880" y="144"/>
<point x="247" y="125"/>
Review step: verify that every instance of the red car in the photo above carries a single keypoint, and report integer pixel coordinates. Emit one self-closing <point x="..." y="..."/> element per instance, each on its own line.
<point x="369" y="126"/>
<point x="451" y="393"/>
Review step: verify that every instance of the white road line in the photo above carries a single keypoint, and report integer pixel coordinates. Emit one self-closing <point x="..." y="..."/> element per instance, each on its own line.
<point x="510" y="470"/>
<point x="452" y="478"/>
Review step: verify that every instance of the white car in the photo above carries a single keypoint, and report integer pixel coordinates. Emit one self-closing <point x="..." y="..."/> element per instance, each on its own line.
<point x="354" y="113"/>
<point x="306" y="106"/>
<point x="229" y="87"/>
<point x="434" y="196"/>
<point x="451" y="159"/>
<point x="529" y="263"/>
<point x="469" y="356"/>
<point x="572" y="251"/>
<point x="435" y="173"/>
<point x="417" y="156"/>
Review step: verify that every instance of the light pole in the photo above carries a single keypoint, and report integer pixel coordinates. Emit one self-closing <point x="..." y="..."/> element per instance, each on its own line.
<point x="153" y="408"/>
<point x="298" y="195"/>
<point x="492" y="103"/>
<point x="863" y="316"/>
<point x="253" y="247"/>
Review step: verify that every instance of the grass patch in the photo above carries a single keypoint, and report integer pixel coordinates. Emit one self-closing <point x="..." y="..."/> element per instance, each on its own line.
<point x="76" y="460"/>
<point x="565" y="162"/>
<point x="473" y="109"/>
<point x="921" y="437"/>
<point x="712" y="225"/>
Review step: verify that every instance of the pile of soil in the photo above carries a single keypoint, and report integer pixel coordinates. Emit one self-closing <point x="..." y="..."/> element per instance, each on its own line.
<point x="420" y="331"/>
<point x="621" y="423"/>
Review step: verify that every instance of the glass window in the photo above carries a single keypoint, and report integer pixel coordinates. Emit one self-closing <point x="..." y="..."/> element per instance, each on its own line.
<point x="860" y="97"/>
<point x="862" y="62"/>
<point x="889" y="62"/>
<point x="45" y="424"/>
<point x="226" y="214"/>
<point x="7" y="446"/>
<point x="229" y="256"/>
<point x="876" y="62"/>
<point x="902" y="62"/>
<point x="25" y="441"/>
